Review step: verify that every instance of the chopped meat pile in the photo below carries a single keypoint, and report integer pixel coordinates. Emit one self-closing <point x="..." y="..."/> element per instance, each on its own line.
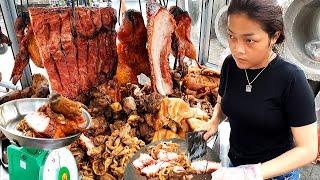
<point x="106" y="156"/>
<point x="166" y="162"/>
<point x="77" y="52"/>
<point x="60" y="117"/>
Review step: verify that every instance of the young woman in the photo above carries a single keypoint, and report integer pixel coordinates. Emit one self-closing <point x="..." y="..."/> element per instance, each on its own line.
<point x="267" y="100"/>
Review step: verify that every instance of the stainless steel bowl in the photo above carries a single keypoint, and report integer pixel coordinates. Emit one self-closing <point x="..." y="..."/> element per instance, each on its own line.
<point x="131" y="173"/>
<point x="12" y="112"/>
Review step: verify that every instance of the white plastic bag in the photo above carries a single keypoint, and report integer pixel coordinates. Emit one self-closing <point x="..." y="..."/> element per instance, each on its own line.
<point x="313" y="49"/>
<point x="224" y="133"/>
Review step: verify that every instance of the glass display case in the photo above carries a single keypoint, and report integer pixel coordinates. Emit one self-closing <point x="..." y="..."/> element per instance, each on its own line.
<point x="208" y="32"/>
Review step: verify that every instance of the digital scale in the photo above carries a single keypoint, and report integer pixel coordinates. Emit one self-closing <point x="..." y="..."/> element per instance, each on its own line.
<point x="36" y="158"/>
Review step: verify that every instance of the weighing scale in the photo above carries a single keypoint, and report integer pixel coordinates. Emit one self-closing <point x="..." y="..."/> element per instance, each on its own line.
<point x="36" y="158"/>
<point x="26" y="163"/>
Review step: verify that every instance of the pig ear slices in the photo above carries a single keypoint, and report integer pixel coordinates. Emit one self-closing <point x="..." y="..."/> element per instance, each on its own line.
<point x="161" y="25"/>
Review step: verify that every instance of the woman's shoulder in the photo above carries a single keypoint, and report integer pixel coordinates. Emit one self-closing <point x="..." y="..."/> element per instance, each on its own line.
<point x="228" y="61"/>
<point x="287" y="68"/>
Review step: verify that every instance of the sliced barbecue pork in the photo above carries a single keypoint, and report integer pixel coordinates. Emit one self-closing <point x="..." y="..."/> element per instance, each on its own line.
<point x="41" y="31"/>
<point x="82" y="57"/>
<point x="54" y="46"/>
<point x="69" y="49"/>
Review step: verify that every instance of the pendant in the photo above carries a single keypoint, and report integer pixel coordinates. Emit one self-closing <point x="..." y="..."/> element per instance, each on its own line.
<point x="248" y="88"/>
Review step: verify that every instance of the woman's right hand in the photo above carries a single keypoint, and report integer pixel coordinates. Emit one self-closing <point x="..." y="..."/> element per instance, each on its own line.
<point x="210" y="128"/>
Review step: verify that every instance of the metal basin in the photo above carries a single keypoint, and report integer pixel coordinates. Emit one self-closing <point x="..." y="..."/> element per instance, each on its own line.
<point x="302" y="24"/>
<point x="11" y="113"/>
<point x="132" y="173"/>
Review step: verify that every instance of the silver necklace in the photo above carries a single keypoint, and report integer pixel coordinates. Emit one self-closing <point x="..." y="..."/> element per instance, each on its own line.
<point x="249" y="85"/>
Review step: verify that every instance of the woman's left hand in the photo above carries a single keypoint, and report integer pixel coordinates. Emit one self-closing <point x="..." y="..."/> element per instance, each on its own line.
<point x="244" y="172"/>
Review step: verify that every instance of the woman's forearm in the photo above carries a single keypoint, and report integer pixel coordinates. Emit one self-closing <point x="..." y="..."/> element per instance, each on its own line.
<point x="293" y="159"/>
<point x="305" y="138"/>
<point x="218" y="114"/>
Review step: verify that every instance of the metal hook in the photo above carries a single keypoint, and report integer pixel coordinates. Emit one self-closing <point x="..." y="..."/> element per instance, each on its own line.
<point x="119" y="11"/>
<point x="21" y="5"/>
<point x="140" y="6"/>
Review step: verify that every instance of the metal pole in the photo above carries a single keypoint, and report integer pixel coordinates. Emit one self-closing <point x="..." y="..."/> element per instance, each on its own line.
<point x="10" y="15"/>
<point x="206" y="20"/>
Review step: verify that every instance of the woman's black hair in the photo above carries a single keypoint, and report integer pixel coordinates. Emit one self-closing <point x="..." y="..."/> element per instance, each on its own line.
<point x="266" y="12"/>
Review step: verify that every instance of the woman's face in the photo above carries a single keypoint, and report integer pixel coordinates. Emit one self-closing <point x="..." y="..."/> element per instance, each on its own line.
<point x="248" y="42"/>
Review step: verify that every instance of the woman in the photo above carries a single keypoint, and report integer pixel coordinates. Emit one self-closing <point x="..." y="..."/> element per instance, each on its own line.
<point x="267" y="100"/>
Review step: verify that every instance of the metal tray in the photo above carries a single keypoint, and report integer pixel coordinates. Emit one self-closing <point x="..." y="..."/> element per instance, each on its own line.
<point x="12" y="112"/>
<point x="132" y="174"/>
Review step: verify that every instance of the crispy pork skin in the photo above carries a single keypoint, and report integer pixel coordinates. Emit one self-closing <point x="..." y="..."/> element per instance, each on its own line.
<point x="79" y="52"/>
<point x="41" y="31"/>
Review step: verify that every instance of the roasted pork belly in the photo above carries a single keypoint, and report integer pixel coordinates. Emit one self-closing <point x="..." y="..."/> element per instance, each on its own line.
<point x="161" y="25"/>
